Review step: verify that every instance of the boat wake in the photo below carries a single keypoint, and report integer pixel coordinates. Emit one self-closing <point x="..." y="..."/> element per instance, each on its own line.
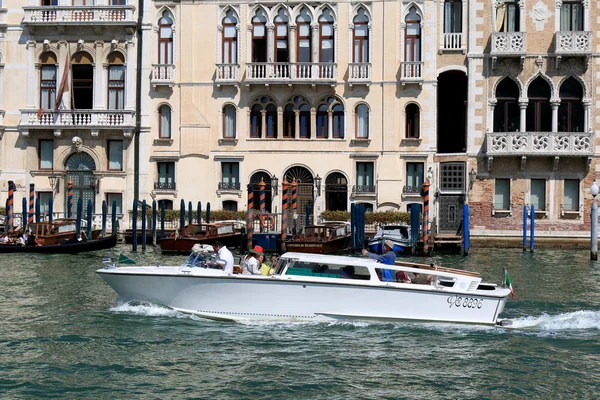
<point x="146" y="309"/>
<point x="571" y="321"/>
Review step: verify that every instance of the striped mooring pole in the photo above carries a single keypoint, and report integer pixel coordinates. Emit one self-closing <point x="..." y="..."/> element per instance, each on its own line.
<point x="294" y="205"/>
<point x="426" y="217"/>
<point x="69" y="198"/>
<point x="284" y="206"/>
<point x="31" y="202"/>
<point x="262" y="203"/>
<point x="10" y="207"/>
<point x="249" y="217"/>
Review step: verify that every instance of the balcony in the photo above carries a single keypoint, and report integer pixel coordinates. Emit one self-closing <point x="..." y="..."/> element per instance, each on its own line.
<point x="291" y="73"/>
<point x="162" y="75"/>
<point x="368" y="190"/>
<point x="165" y="186"/>
<point x="94" y="17"/>
<point x="575" y="43"/>
<point x="229" y="186"/>
<point x="411" y="72"/>
<point x="93" y="120"/>
<point x="452" y="41"/>
<point x="508" y="44"/>
<point x="411" y="190"/>
<point x="541" y="144"/>
<point x="227" y="74"/>
<point x="359" y="74"/>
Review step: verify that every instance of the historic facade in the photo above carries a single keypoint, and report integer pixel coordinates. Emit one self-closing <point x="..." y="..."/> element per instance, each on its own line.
<point x="357" y="102"/>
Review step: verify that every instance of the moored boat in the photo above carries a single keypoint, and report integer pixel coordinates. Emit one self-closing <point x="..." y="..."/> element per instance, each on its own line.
<point x="230" y="233"/>
<point x="399" y="235"/>
<point x="314" y="287"/>
<point x="327" y="238"/>
<point x="67" y="246"/>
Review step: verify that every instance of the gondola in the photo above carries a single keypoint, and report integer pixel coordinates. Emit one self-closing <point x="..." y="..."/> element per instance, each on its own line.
<point x="67" y="247"/>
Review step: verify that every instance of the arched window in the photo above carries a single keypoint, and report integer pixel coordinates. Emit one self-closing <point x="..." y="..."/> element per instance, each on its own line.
<point x="48" y="71"/>
<point x="165" y="38"/>
<point x="322" y="122"/>
<point x="304" y="121"/>
<point x="230" y="205"/>
<point x="229" y="118"/>
<point x="256" y="121"/>
<point x="570" y="111"/>
<point x="361" y="37"/>
<point x="412" y="37"/>
<point x="412" y="121"/>
<point x="259" y="37"/>
<point x="336" y="192"/>
<point x="539" y="113"/>
<point x="82" y="68"/>
<point x="330" y="119"/>
<point x="116" y="81"/>
<point x="338" y="121"/>
<point x="255" y="180"/>
<point x="362" y="121"/>
<point x="230" y="41"/>
<point x="327" y="46"/>
<point x="289" y="121"/>
<point x="506" y="112"/>
<point x="281" y="37"/>
<point x="304" y="51"/>
<point x="164" y="122"/>
<point x="263" y="118"/>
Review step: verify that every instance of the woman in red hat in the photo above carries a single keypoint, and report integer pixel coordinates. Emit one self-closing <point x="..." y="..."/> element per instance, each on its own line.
<point x="251" y="264"/>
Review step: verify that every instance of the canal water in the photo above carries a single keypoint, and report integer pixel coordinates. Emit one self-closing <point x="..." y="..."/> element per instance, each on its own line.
<point x="63" y="334"/>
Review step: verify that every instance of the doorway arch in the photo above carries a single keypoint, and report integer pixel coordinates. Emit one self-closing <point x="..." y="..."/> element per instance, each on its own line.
<point x="304" y="192"/>
<point x="80" y="167"/>
<point x="336" y="192"/>
<point x="255" y="180"/>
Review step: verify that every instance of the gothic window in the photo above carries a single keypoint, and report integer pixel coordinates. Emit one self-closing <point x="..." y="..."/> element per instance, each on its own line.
<point x="281" y="37"/>
<point x="330" y="119"/>
<point x="304" y="50"/>
<point x="48" y="72"/>
<point x="570" y="111"/>
<point x="412" y="121"/>
<point x="539" y="113"/>
<point x="259" y="37"/>
<point x="506" y="111"/>
<point x="263" y="118"/>
<point x="165" y="38"/>
<point x="412" y="37"/>
<point x="360" y="48"/>
<point x="326" y="33"/>
<point x="116" y="81"/>
<point x="230" y="38"/>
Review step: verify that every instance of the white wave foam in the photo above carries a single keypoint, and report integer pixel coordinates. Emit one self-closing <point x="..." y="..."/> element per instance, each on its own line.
<point x="146" y="309"/>
<point x="576" y="320"/>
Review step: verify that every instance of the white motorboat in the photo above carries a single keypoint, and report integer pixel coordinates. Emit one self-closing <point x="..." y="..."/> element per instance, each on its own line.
<point x="313" y="287"/>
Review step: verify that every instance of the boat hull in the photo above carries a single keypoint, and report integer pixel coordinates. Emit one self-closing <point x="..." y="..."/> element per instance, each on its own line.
<point x="183" y="245"/>
<point x="67" y="248"/>
<point x="241" y="297"/>
<point x="400" y="246"/>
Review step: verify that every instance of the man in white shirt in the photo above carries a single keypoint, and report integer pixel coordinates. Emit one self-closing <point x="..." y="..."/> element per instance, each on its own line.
<point x="251" y="266"/>
<point x="225" y="255"/>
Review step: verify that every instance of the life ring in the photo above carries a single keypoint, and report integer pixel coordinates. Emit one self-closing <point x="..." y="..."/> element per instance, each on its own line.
<point x="264" y="219"/>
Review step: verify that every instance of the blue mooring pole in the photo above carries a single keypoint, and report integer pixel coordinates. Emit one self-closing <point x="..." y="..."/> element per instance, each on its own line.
<point x="181" y="215"/>
<point x="38" y="213"/>
<point x="524" y="228"/>
<point x="208" y="212"/>
<point x="415" y="225"/>
<point x="144" y="218"/>
<point x="162" y="219"/>
<point x="113" y="220"/>
<point x="153" y="222"/>
<point x="307" y="211"/>
<point x="466" y="233"/>
<point x="352" y="227"/>
<point x="199" y="212"/>
<point x="104" y="210"/>
<point x="24" y="216"/>
<point x="134" y="226"/>
<point x="532" y="234"/>
<point x="594" y="230"/>
<point x="190" y="214"/>
<point x="89" y="219"/>
<point x="78" y="220"/>
<point x="50" y="209"/>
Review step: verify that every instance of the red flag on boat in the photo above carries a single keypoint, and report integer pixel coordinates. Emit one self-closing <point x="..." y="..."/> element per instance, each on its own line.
<point x="64" y="84"/>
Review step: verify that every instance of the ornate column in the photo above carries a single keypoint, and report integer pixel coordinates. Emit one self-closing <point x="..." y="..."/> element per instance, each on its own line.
<point x="313" y="122"/>
<point x="554" y="103"/>
<point x="130" y="75"/>
<point x="292" y="42"/>
<point x="249" y="41"/>
<point x="100" y="72"/>
<point x="490" y="119"/>
<point x="314" y="37"/>
<point x="280" y="122"/>
<point x="329" y="124"/>
<point x="270" y="45"/>
<point x="297" y="123"/>
<point x="523" y="102"/>
<point x="32" y="80"/>
<point x="587" y="107"/>
<point x="263" y="116"/>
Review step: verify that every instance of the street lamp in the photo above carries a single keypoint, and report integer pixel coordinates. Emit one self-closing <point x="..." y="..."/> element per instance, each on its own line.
<point x="472" y="176"/>
<point x="594" y="221"/>
<point x="54" y="182"/>
<point x="274" y="183"/>
<point x="318" y="180"/>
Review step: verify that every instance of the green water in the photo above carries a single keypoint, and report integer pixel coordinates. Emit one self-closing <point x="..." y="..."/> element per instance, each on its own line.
<point x="63" y="334"/>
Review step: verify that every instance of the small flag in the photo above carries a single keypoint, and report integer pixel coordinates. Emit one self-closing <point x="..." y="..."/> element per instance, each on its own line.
<point x="123" y="259"/>
<point x="40" y="112"/>
<point x="64" y="84"/>
<point x="509" y="284"/>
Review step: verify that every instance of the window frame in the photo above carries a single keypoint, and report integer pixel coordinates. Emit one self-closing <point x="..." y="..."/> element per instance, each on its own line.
<point x="227" y="205"/>
<point x="568" y="7"/>
<point x="412" y="121"/>
<point x="495" y="202"/>
<point x="545" y="181"/>
<point x="357" y="134"/>
<point x="108" y="196"/>
<point x="300" y="38"/>
<point x="160" y="122"/>
<point x="409" y="40"/>
<point x="366" y="177"/>
<point x="417" y="166"/>
<point x="362" y="42"/>
<point x="163" y="43"/>
<point x="225" y="124"/>
<point x="455" y="6"/>
<point x="48" y="91"/>
<point x="232" y="178"/>
<point x="279" y="38"/>
<point x="109" y="143"/>
<point x="227" y="42"/>
<point x="577" y="209"/>
<point x="169" y="172"/>
<point x="117" y="89"/>
<point x="323" y="38"/>
<point x="51" y="142"/>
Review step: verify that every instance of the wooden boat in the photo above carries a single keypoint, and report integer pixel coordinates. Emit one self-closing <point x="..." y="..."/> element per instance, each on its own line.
<point x="230" y="233"/>
<point x="399" y="234"/>
<point x="59" y="230"/>
<point x="68" y="246"/>
<point x="324" y="239"/>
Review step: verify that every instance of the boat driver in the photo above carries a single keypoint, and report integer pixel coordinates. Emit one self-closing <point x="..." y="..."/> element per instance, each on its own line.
<point x="388" y="258"/>
<point x="225" y="255"/>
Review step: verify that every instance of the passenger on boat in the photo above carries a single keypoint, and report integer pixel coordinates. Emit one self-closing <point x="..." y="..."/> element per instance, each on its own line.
<point x="388" y="258"/>
<point x="403" y="277"/>
<point x="420" y="279"/>
<point x="225" y="255"/>
<point x="250" y="265"/>
<point x="347" y="272"/>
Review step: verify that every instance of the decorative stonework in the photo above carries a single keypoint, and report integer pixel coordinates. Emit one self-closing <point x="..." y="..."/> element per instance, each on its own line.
<point x="539" y="143"/>
<point x="539" y="15"/>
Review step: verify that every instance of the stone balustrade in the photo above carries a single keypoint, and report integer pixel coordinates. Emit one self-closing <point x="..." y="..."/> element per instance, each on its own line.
<point x="92" y="15"/>
<point x="540" y="144"/>
<point x="573" y="43"/>
<point x="93" y="120"/>
<point x="264" y="72"/>
<point x="360" y="73"/>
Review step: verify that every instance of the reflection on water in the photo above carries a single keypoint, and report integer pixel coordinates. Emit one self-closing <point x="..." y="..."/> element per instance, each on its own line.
<point x="64" y="334"/>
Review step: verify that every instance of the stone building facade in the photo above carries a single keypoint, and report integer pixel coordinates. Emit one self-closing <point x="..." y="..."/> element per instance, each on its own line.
<point x="357" y="102"/>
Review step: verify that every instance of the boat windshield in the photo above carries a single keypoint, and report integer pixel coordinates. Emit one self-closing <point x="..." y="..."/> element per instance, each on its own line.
<point x="396" y="230"/>
<point x="302" y="268"/>
<point x="204" y="260"/>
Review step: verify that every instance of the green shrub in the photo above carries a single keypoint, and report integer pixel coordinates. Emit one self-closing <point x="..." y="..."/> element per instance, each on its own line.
<point x="215" y="215"/>
<point x="377" y="217"/>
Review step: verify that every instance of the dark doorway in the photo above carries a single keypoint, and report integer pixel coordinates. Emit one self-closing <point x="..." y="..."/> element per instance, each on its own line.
<point x="83" y="87"/>
<point x="80" y="167"/>
<point x="452" y="112"/>
<point x="336" y="192"/>
<point x="255" y="185"/>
